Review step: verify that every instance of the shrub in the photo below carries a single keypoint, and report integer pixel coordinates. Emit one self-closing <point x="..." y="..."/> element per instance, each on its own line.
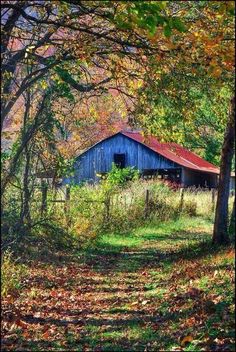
<point x="120" y="177"/>
<point x="12" y="274"/>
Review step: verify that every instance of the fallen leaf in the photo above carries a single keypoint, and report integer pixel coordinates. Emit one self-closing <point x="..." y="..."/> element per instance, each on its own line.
<point x="54" y="293"/>
<point x="144" y="302"/>
<point x="186" y="340"/>
<point x="46" y="335"/>
<point x="46" y="328"/>
<point x="26" y="334"/>
<point x="37" y="315"/>
<point x="22" y="324"/>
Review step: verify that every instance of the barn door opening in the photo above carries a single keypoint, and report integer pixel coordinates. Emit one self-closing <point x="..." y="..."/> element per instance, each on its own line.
<point x="119" y="160"/>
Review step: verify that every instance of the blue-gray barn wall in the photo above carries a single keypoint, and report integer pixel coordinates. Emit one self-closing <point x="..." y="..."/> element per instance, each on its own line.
<point x="99" y="158"/>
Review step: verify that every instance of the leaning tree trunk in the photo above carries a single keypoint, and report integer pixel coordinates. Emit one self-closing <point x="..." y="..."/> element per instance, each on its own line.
<point x="220" y="234"/>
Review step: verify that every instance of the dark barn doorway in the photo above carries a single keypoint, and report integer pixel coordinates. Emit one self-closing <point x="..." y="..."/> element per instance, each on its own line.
<point x="119" y="160"/>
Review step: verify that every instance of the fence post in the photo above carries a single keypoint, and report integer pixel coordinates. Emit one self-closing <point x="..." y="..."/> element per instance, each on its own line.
<point x="213" y="197"/>
<point x="44" y="198"/>
<point x="107" y="203"/>
<point x="181" y="199"/>
<point x="146" y="203"/>
<point x="67" y="200"/>
<point x="67" y="204"/>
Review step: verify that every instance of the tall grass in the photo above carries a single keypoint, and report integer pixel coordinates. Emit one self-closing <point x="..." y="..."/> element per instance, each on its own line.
<point x="100" y="209"/>
<point x="12" y="274"/>
<point x="109" y="207"/>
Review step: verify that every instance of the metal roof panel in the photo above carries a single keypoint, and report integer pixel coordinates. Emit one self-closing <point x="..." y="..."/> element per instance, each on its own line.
<point x="174" y="152"/>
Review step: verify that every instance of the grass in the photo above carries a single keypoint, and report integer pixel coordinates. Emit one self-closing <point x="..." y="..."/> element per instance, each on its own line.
<point x="159" y="288"/>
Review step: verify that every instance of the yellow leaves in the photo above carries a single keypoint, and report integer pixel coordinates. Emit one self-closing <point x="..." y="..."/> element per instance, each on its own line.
<point x="84" y="229"/>
<point x="196" y="34"/>
<point x="44" y="84"/>
<point x="216" y="72"/>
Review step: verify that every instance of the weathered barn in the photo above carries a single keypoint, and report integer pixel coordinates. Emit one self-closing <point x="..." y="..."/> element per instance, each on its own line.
<point x="129" y="148"/>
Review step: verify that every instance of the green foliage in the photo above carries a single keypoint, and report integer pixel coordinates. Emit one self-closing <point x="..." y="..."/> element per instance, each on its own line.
<point x="148" y="15"/>
<point x="187" y="111"/>
<point x="65" y="166"/>
<point x="62" y="85"/>
<point x="120" y="177"/>
<point x="12" y="274"/>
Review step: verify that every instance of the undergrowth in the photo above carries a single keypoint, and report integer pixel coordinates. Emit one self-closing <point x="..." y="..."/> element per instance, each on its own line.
<point x="12" y="274"/>
<point x="120" y="203"/>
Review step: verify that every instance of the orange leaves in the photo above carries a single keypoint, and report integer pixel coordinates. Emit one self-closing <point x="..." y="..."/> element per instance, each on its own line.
<point x="46" y="334"/>
<point x="54" y="293"/>
<point x="216" y="72"/>
<point x="21" y="324"/>
<point x="186" y="340"/>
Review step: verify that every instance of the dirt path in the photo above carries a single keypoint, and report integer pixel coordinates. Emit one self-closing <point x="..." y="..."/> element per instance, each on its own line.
<point x="136" y="299"/>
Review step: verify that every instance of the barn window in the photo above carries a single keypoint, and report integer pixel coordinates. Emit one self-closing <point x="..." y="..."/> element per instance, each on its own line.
<point x="119" y="160"/>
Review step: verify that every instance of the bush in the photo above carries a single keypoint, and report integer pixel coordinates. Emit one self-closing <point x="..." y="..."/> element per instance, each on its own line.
<point x="119" y="177"/>
<point x="12" y="274"/>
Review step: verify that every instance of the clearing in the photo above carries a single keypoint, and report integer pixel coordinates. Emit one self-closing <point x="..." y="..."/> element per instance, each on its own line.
<point x="159" y="288"/>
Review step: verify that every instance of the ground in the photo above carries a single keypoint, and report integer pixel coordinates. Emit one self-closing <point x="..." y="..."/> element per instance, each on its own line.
<point x="160" y="288"/>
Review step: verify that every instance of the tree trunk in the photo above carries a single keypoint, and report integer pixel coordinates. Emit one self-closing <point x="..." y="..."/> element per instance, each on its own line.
<point x="220" y="234"/>
<point x="25" y="208"/>
<point x="25" y="212"/>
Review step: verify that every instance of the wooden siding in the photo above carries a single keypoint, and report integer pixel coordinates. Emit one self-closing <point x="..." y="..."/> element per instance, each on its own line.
<point x="99" y="158"/>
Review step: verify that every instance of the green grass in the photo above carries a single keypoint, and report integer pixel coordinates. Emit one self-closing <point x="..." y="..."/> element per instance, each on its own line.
<point x="117" y="242"/>
<point x="168" y="233"/>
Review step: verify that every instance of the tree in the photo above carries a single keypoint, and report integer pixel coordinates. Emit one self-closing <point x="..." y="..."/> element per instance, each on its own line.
<point x="93" y="47"/>
<point x="232" y="221"/>
<point x="52" y="52"/>
<point x="220" y="234"/>
<point x="92" y="35"/>
<point x="87" y="47"/>
<point x="206" y="50"/>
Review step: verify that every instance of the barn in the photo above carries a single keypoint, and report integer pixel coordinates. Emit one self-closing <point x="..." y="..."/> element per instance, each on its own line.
<point x="130" y="148"/>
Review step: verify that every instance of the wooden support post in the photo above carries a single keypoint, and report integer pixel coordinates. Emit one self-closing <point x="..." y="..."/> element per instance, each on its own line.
<point x="181" y="204"/>
<point x="44" y="198"/>
<point x="147" y="203"/>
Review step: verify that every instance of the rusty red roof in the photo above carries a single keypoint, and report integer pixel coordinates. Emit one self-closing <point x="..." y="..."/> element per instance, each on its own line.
<point x="174" y="152"/>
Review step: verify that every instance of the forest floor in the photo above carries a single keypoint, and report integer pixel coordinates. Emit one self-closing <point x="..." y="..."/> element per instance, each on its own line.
<point x="162" y="288"/>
